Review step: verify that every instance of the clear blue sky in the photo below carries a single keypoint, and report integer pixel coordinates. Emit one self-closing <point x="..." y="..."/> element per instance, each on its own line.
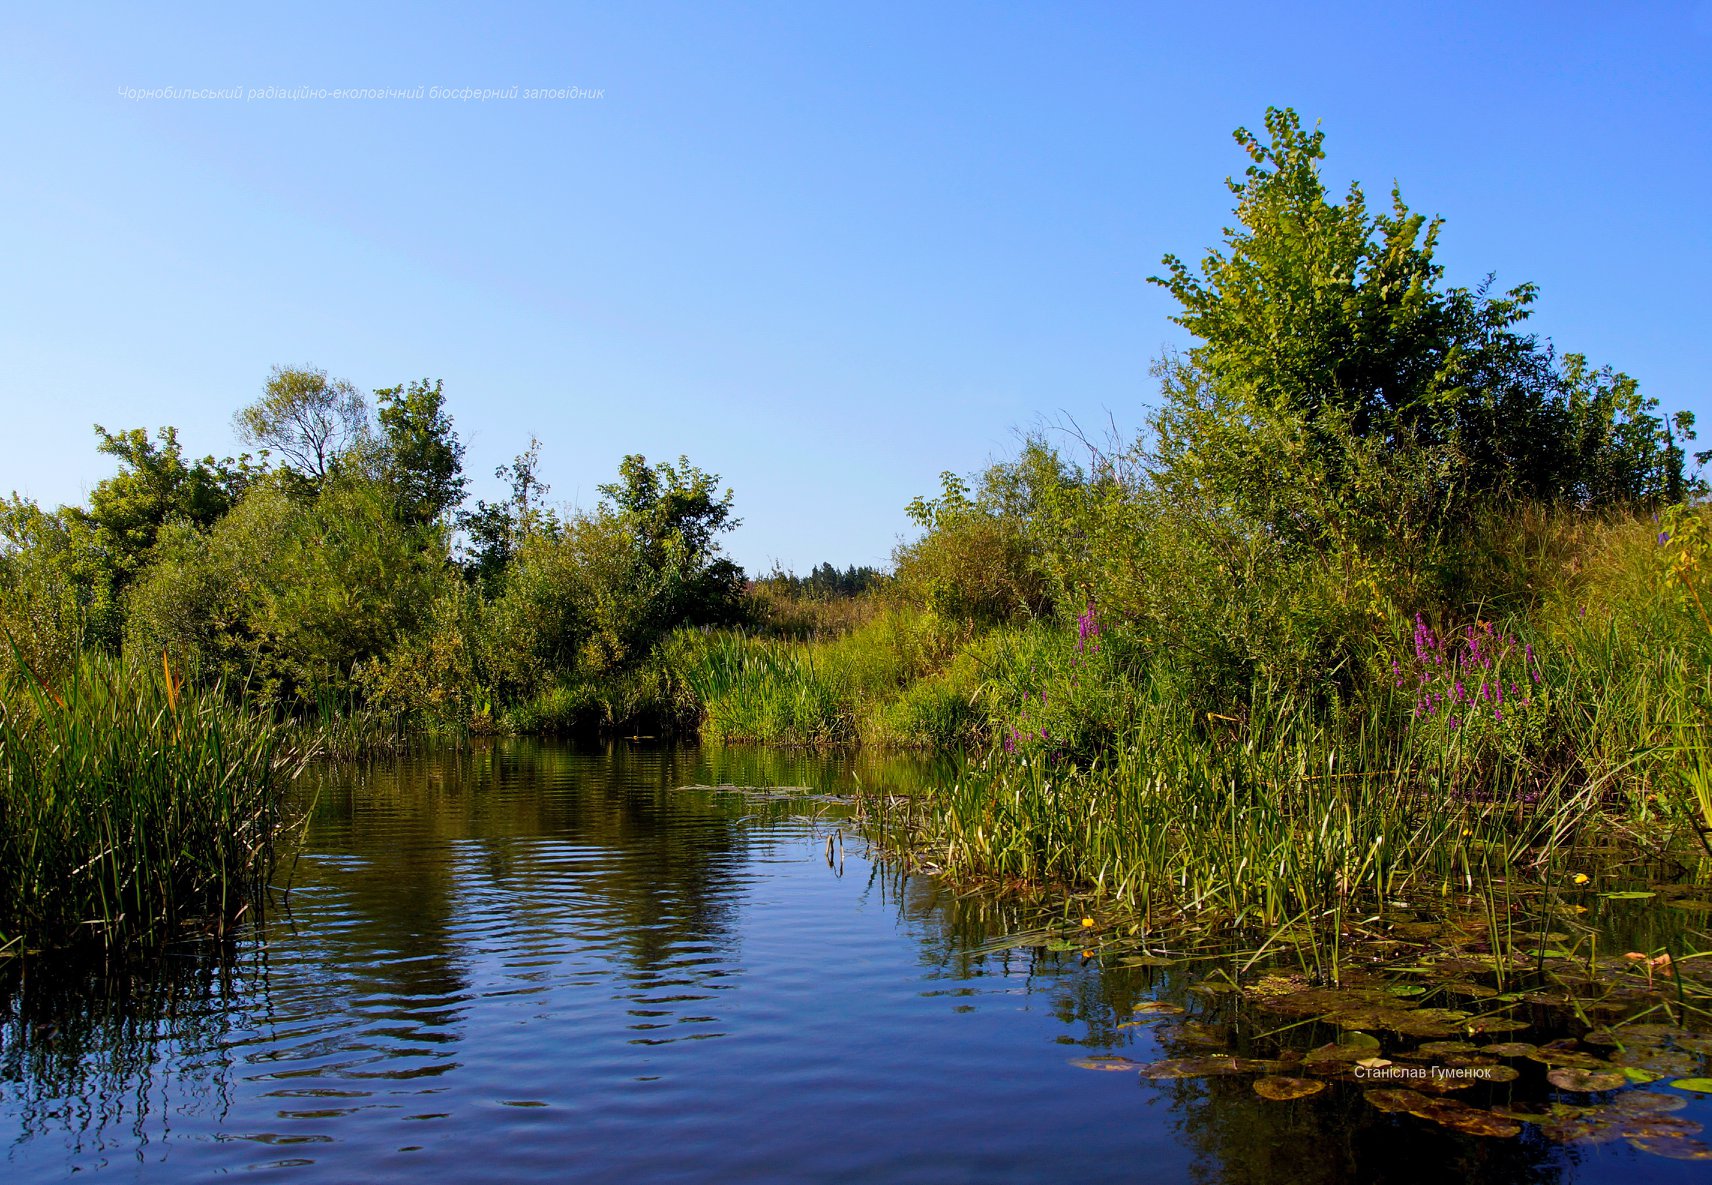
<point x="826" y="250"/>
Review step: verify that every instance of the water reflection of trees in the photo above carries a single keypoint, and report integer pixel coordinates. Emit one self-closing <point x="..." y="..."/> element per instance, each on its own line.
<point x="420" y="879"/>
<point x="89" y="1049"/>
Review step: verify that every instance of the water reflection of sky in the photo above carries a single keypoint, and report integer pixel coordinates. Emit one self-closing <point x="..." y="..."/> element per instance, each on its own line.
<point x="525" y="963"/>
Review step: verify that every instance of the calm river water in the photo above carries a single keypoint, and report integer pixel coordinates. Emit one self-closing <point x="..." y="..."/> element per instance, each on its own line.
<point x="527" y="962"/>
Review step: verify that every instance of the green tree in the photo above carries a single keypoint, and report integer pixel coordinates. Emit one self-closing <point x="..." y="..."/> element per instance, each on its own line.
<point x="156" y="485"/>
<point x="307" y="418"/>
<point x="494" y="531"/>
<point x="675" y="514"/>
<point x="421" y="455"/>
<point x="1346" y="398"/>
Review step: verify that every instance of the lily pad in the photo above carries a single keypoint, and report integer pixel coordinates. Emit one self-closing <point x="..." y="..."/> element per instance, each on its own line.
<point x="1659" y="1124"/>
<point x="1495" y="1024"/>
<point x="1460" y="1117"/>
<point x="1510" y="1048"/>
<point x="1194" y="1033"/>
<point x="1666" y="1063"/>
<point x="1586" y="1081"/>
<point x="1568" y="1059"/>
<point x="1628" y="895"/>
<point x="1281" y="1089"/>
<point x="1703" y="1085"/>
<point x="1338" y="1053"/>
<point x="1207" y="1067"/>
<point x="1647" y="1102"/>
<point x="1105" y="1063"/>
<point x="1442" y="1048"/>
<point x="1395" y="1099"/>
<point x="1673" y="1147"/>
<point x="1156" y="1008"/>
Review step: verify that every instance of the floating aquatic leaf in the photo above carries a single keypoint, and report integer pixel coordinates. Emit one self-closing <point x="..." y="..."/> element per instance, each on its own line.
<point x="1194" y="1033"/>
<point x="1406" y="989"/>
<point x="1695" y="1042"/>
<point x="1280" y="1089"/>
<point x="1146" y="961"/>
<point x="1428" y="1022"/>
<point x="1495" y="1024"/>
<point x="1660" y="1124"/>
<point x="1510" y="1048"/>
<point x="1156" y="1008"/>
<point x="1522" y="1114"/>
<point x="1499" y="1074"/>
<point x="1582" y="1129"/>
<point x="1666" y="1063"/>
<point x="1641" y="1102"/>
<point x="1691" y="904"/>
<point x="1396" y="1099"/>
<point x="1586" y="1081"/>
<point x="1703" y="1085"/>
<point x="1567" y="1058"/>
<point x="1105" y="1063"/>
<point x="1673" y="1147"/>
<point x="1628" y="895"/>
<point x="1462" y="987"/>
<point x="1441" y="1048"/>
<point x="1639" y="1076"/>
<point x="1340" y="1052"/>
<point x="1209" y="1066"/>
<point x="1474" y="1122"/>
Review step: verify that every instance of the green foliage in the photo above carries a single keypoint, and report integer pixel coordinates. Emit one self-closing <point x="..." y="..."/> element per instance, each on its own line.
<point x="422" y="458"/>
<point x="1345" y="399"/>
<point x="155" y="486"/>
<point x="307" y="418"/>
<point x="58" y="587"/>
<point x="291" y="596"/>
<point x="979" y="560"/>
<point x="131" y="803"/>
<point x="495" y="530"/>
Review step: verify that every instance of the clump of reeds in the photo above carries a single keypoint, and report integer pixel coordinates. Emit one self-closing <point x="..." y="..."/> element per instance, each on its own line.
<point x="131" y="804"/>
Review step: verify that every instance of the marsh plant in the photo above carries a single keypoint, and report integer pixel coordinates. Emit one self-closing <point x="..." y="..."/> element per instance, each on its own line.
<point x="132" y="803"/>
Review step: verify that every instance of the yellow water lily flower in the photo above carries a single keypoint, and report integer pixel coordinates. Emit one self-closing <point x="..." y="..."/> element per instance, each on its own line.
<point x="1579" y="878"/>
<point x="1087" y="923"/>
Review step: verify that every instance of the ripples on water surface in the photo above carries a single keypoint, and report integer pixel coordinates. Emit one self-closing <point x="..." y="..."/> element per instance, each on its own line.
<point x="531" y="963"/>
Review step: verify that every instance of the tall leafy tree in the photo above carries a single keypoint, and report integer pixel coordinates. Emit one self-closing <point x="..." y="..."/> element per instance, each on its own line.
<point x="675" y="514"/>
<point x="1341" y="394"/>
<point x="421" y="455"/>
<point x="307" y="418"/>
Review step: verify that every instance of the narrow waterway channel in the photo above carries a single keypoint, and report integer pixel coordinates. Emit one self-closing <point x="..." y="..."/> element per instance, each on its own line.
<point x="525" y="962"/>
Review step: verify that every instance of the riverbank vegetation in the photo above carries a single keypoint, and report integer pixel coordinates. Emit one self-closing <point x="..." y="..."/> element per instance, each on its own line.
<point x="1381" y="596"/>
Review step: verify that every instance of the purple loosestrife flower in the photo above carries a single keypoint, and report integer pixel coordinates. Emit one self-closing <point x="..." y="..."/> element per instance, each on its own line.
<point x="1498" y="715"/>
<point x="1086" y="628"/>
<point x="1664" y="537"/>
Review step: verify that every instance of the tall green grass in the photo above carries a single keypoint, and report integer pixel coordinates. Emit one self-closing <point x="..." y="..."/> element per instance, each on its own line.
<point x="132" y="804"/>
<point x="1286" y="810"/>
